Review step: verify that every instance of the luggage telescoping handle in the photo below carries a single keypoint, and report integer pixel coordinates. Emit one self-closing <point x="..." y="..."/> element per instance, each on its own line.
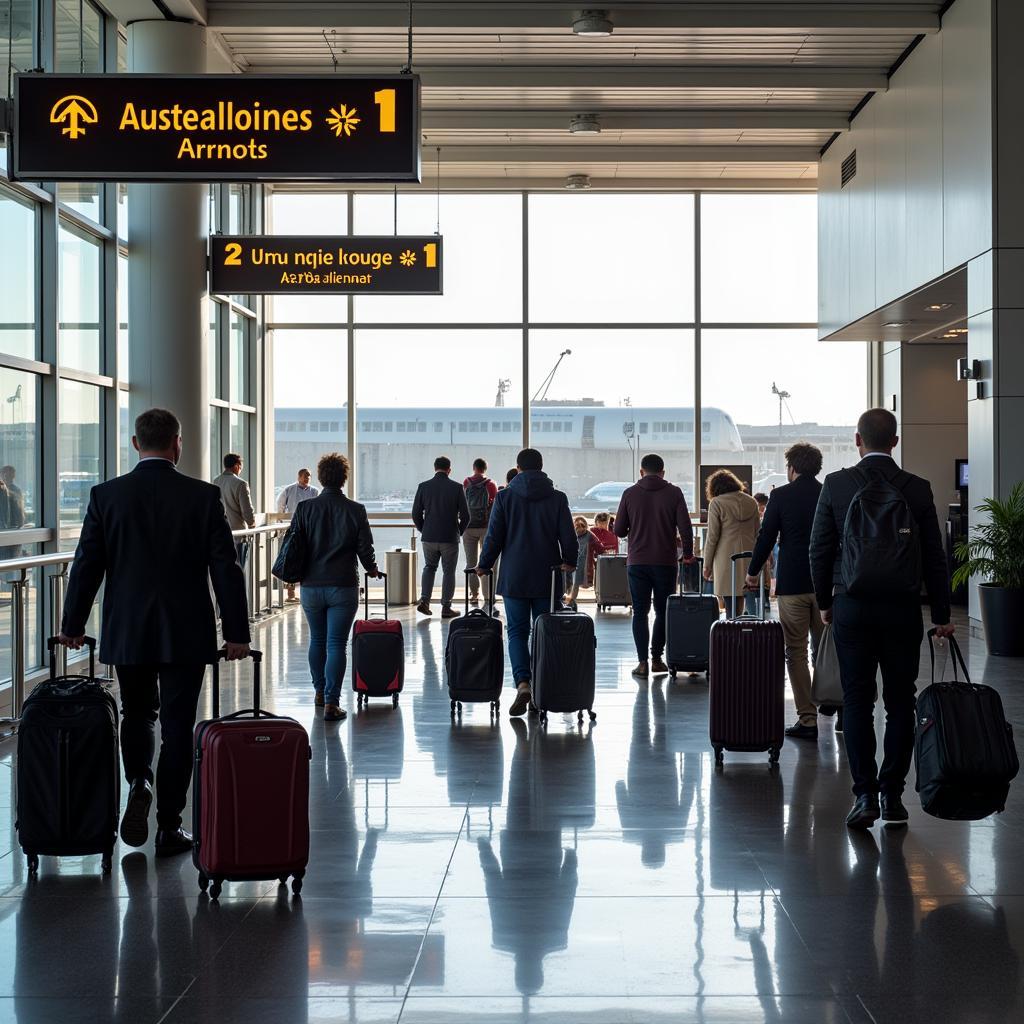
<point x="955" y="654"/>
<point x="366" y="593"/>
<point x="53" y="642"/>
<point x="257" y="660"/>
<point x="742" y="593"/>
<point x="557" y="573"/>
<point x="489" y="576"/>
<point x="701" y="582"/>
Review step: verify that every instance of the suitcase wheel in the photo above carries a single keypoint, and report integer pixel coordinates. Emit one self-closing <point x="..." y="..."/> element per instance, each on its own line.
<point x="672" y="673"/>
<point x="593" y="714"/>
<point x="495" y="707"/>
<point x="107" y="863"/>
<point x="394" y="700"/>
<point x="33" y="863"/>
<point x="283" y="879"/>
<point x="297" y="885"/>
<point x="215" y="887"/>
<point x="453" y="709"/>
<point x="204" y="882"/>
<point x="773" y="755"/>
<point x="719" y="757"/>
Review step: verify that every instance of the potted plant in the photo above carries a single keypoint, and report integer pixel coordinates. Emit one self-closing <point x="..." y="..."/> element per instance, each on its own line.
<point x="995" y="551"/>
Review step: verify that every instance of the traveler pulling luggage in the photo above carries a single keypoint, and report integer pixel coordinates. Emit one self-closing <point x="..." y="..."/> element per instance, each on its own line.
<point x="69" y="772"/>
<point x="747" y="677"/>
<point x="474" y="658"/>
<point x="611" y="582"/>
<point x="378" y="653"/>
<point x="963" y="746"/>
<point x="250" y="795"/>
<point x="688" y="622"/>
<point x="563" y="662"/>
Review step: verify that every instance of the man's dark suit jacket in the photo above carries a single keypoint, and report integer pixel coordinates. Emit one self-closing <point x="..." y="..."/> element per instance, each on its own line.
<point x="439" y="510"/>
<point x="788" y="519"/>
<point x="160" y="538"/>
<point x="827" y="533"/>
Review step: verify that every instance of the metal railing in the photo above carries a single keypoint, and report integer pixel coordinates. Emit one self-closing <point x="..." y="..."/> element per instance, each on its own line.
<point x="265" y="592"/>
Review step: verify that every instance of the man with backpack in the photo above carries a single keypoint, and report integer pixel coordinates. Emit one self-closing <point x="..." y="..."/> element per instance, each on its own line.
<point x="874" y="540"/>
<point x="480" y="494"/>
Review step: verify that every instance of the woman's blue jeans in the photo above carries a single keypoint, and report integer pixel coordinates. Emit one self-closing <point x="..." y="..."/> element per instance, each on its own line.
<point x="330" y="612"/>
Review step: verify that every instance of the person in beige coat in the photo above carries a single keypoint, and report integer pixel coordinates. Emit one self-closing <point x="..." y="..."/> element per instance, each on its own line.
<point x="733" y="522"/>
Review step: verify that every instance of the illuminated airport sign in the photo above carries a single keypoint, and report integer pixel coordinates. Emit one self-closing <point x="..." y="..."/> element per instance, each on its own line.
<point x="325" y="264"/>
<point x="216" y="128"/>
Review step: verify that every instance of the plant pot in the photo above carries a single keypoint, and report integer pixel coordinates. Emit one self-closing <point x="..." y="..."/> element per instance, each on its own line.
<point x="1002" y="611"/>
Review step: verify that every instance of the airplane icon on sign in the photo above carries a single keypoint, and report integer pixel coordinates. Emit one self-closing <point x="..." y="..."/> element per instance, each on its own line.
<point x="73" y="112"/>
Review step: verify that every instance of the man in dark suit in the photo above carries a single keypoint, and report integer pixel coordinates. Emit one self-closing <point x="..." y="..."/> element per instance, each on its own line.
<point x="879" y="626"/>
<point x="159" y="538"/>
<point x="441" y="514"/>
<point x="788" y="519"/>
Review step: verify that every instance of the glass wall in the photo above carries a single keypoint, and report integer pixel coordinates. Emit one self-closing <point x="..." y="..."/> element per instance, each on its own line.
<point x="582" y="309"/>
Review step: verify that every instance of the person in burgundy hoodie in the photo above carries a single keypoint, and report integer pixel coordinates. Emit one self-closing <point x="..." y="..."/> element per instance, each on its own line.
<point x="652" y="514"/>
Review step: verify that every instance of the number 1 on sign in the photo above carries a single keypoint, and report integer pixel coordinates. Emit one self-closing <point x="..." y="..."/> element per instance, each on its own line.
<point x="430" y="251"/>
<point x="385" y="99"/>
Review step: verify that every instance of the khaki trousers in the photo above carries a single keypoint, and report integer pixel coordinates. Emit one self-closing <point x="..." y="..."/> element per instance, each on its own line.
<point x="799" y="616"/>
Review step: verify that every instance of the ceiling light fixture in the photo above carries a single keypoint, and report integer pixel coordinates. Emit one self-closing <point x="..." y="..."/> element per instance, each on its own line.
<point x="936" y="306"/>
<point x="593" y="23"/>
<point x="585" y="124"/>
<point x="896" y="323"/>
<point x="577" y="182"/>
<point x="958" y="330"/>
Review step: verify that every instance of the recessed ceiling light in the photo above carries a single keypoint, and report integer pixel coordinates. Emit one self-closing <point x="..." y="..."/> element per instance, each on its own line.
<point x="958" y="330"/>
<point x="896" y="323"/>
<point x="577" y="182"/>
<point x="593" y="23"/>
<point x="936" y="306"/>
<point x="585" y="124"/>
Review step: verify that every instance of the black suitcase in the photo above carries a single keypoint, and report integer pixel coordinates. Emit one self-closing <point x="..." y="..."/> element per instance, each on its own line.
<point x="563" y="659"/>
<point x="688" y="622"/>
<point x="474" y="660"/>
<point x="963" y="746"/>
<point x="69" y="772"/>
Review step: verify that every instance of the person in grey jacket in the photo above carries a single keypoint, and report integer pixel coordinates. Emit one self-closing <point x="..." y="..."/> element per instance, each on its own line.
<point x="441" y="514"/>
<point x="237" y="501"/>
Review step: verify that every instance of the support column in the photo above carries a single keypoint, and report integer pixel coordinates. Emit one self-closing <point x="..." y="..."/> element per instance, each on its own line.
<point x="167" y="246"/>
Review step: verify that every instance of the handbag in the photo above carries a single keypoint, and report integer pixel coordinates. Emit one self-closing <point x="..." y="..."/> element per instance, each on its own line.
<point x="290" y="564"/>
<point x="827" y="685"/>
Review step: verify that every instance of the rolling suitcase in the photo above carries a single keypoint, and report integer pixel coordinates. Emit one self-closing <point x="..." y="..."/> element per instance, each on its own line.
<point x="688" y="622"/>
<point x="611" y="582"/>
<point x="563" y="659"/>
<point x="250" y="795"/>
<point x="747" y="677"/>
<point x="378" y="653"/>
<point x="963" y="746"/>
<point x="68" y="769"/>
<point x="474" y="660"/>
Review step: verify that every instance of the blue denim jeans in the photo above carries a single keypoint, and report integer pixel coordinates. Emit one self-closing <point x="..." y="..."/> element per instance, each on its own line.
<point x="330" y="612"/>
<point x="519" y="615"/>
<point x="649" y="583"/>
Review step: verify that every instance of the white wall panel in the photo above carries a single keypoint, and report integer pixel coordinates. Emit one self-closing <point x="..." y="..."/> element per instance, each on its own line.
<point x="890" y="153"/>
<point x="833" y="243"/>
<point x="861" y="191"/>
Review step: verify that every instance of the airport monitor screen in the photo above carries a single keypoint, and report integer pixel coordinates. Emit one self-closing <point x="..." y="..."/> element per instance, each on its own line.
<point x="961" y="474"/>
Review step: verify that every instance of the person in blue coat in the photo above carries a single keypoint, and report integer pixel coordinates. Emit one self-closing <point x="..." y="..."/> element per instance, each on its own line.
<point x="531" y="529"/>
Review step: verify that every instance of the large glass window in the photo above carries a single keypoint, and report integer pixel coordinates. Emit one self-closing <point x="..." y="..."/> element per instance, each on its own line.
<point x="79" y="37"/>
<point x="122" y="317"/>
<point x="19" y="450"/>
<point x="240" y="423"/>
<point x="80" y="453"/>
<point x="17" y="277"/>
<point x="240" y="376"/>
<point x="80" y="295"/>
<point x="18" y="34"/>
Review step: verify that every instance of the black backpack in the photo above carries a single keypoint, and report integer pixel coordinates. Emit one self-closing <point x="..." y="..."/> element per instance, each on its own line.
<point x="479" y="502"/>
<point x="881" y="545"/>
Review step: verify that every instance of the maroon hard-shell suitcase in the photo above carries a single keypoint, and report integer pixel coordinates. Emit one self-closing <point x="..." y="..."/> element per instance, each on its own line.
<point x="747" y="677"/>
<point x="378" y="653"/>
<point x="250" y="795"/>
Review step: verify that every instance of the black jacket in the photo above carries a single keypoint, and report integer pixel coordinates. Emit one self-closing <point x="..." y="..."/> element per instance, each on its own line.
<point x="788" y="519"/>
<point x="440" y="511"/>
<point x="160" y="538"/>
<point x="337" y="532"/>
<point x="827" y="533"/>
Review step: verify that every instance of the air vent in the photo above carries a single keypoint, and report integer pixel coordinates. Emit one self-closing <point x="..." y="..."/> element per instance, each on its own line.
<point x="849" y="169"/>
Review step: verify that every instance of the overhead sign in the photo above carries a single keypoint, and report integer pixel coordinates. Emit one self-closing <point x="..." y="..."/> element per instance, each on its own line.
<point x="216" y="128"/>
<point x="325" y="264"/>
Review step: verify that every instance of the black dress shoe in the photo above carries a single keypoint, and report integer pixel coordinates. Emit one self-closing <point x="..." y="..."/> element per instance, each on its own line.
<point x="170" y="842"/>
<point x="893" y="810"/>
<point x="839" y="719"/>
<point x="135" y="823"/>
<point x="802" y="732"/>
<point x="865" y="812"/>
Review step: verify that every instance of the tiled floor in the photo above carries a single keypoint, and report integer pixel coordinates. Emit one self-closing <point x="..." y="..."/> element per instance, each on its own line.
<point x="474" y="872"/>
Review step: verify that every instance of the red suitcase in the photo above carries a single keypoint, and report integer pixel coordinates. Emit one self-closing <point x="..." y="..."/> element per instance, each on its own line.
<point x="747" y="679"/>
<point x="250" y="795"/>
<point x="378" y="653"/>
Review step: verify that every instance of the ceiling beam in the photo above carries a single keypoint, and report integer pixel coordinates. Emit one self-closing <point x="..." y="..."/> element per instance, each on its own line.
<point x="596" y="153"/>
<point x="434" y="119"/>
<point x="603" y="76"/>
<point x="722" y="16"/>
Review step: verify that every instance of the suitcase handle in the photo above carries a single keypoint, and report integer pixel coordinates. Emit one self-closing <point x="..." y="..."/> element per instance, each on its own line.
<point x="701" y="582"/>
<point x="53" y="642"/>
<point x="955" y="653"/>
<point x="257" y="661"/>
<point x="557" y="572"/>
<point x="489" y="576"/>
<point x="760" y="588"/>
<point x="366" y="593"/>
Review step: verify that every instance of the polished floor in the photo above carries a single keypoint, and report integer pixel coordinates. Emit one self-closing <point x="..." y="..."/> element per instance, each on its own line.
<point x="502" y="873"/>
